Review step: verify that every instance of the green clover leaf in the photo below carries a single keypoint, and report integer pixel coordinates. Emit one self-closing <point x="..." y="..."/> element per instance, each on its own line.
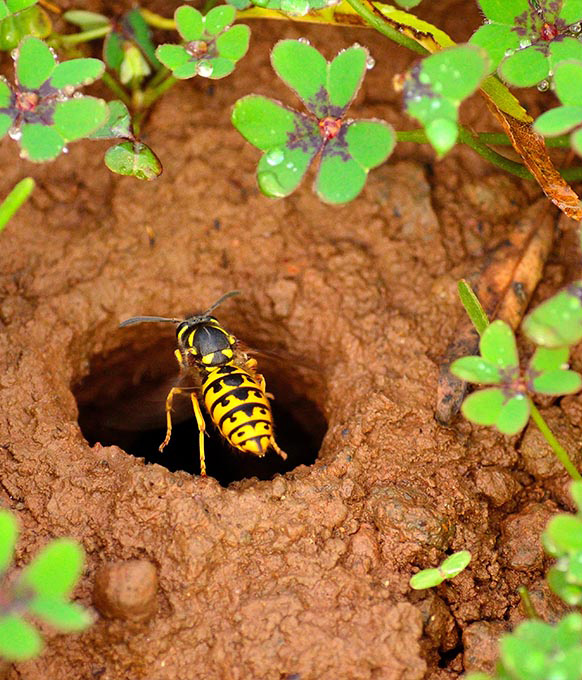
<point x="562" y="539"/>
<point x="567" y="81"/>
<point x="10" y="7"/>
<point x="435" y="88"/>
<point x="134" y="159"/>
<point x="557" y="322"/>
<point x="292" y="7"/>
<point x="527" y="40"/>
<point x="347" y="149"/>
<point x="55" y="570"/>
<point x="39" y="110"/>
<point x="540" y="650"/>
<point x="212" y="46"/>
<point x="507" y="406"/>
<point x="19" y="640"/>
<point x="8" y="536"/>
<point x="22" y="19"/>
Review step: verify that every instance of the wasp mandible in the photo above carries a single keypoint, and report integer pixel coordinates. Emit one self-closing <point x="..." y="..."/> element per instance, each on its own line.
<point x="226" y="378"/>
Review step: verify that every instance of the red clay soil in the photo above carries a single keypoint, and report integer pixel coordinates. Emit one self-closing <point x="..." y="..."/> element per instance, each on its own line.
<point x="265" y="569"/>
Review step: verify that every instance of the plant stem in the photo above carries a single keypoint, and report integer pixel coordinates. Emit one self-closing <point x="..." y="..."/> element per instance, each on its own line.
<point x="15" y="199"/>
<point x="116" y="88"/>
<point x="474" y="142"/>
<point x="152" y="94"/>
<point x="501" y="139"/>
<point x="84" y="36"/>
<point x="492" y="156"/>
<point x="530" y="610"/>
<point x="363" y="8"/>
<point x="561" y="453"/>
<point x="142" y="101"/>
<point x="156" y="20"/>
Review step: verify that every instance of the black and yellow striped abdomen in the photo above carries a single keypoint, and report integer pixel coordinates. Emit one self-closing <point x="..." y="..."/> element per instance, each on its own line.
<point x="239" y="407"/>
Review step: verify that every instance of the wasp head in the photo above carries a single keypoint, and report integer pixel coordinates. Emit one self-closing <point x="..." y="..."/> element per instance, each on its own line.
<point x="203" y="339"/>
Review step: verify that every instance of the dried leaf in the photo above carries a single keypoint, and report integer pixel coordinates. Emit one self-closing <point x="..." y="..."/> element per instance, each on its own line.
<point x="531" y="147"/>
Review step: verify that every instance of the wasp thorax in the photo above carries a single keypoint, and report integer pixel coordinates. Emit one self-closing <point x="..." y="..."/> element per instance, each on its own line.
<point x="206" y="341"/>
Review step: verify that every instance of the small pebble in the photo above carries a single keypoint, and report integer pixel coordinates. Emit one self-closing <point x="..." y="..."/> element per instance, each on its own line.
<point x="126" y="590"/>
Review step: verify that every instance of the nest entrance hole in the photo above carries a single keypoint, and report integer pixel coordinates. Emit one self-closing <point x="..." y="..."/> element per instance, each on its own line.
<point x="122" y="402"/>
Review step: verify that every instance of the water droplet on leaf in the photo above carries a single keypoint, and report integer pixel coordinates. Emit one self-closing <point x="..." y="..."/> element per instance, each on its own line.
<point x="205" y="69"/>
<point x="304" y="41"/>
<point x="544" y="85"/>
<point x="270" y="185"/>
<point x="275" y="156"/>
<point x="526" y="42"/>
<point x="15" y="133"/>
<point x="370" y="62"/>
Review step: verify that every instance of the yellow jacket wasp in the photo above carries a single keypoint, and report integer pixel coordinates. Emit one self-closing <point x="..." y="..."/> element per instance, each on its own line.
<point x="232" y="390"/>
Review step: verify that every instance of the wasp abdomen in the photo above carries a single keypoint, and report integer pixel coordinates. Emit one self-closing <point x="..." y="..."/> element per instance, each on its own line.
<point x="239" y="408"/>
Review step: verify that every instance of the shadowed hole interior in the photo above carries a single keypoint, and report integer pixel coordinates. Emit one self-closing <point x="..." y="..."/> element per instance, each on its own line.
<point x="122" y="402"/>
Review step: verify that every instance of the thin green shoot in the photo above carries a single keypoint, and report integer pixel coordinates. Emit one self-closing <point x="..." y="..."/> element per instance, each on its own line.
<point x="15" y="199"/>
<point x="472" y="306"/>
<point x="449" y="568"/>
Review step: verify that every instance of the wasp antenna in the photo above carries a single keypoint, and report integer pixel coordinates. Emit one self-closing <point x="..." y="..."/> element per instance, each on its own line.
<point x="142" y="319"/>
<point x="220" y="300"/>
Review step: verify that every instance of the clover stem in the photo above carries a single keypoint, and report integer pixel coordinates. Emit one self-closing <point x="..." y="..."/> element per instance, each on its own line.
<point x="528" y="606"/>
<point x="84" y="36"/>
<point x="15" y="199"/>
<point x="366" y="11"/>
<point x="156" y="89"/>
<point x="561" y="453"/>
<point x="116" y="88"/>
<point x="492" y="156"/>
<point x="156" y="20"/>
<point x="142" y="101"/>
<point x="501" y="139"/>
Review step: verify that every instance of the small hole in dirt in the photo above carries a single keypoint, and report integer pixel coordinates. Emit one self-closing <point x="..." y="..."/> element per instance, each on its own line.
<point x="122" y="402"/>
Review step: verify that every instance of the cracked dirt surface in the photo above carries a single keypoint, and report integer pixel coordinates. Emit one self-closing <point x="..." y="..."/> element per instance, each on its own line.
<point x="304" y="575"/>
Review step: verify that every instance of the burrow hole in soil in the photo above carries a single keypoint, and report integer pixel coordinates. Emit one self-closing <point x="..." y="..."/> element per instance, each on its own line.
<point x="122" y="402"/>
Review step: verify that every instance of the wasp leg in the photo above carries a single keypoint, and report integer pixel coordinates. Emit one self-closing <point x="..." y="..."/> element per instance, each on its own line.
<point x="278" y="450"/>
<point x="169" y="400"/>
<point x="201" y="430"/>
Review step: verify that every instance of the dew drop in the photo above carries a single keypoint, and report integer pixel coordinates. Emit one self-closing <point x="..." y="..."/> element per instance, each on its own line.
<point x="304" y="41"/>
<point x="275" y="157"/>
<point x="435" y="104"/>
<point x="575" y="28"/>
<point x="65" y="149"/>
<point x="526" y="42"/>
<point x="370" y="62"/>
<point x="509" y="52"/>
<point x="544" y="85"/>
<point x="14" y="54"/>
<point x="205" y="69"/>
<point x="270" y="185"/>
<point x="15" y="133"/>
